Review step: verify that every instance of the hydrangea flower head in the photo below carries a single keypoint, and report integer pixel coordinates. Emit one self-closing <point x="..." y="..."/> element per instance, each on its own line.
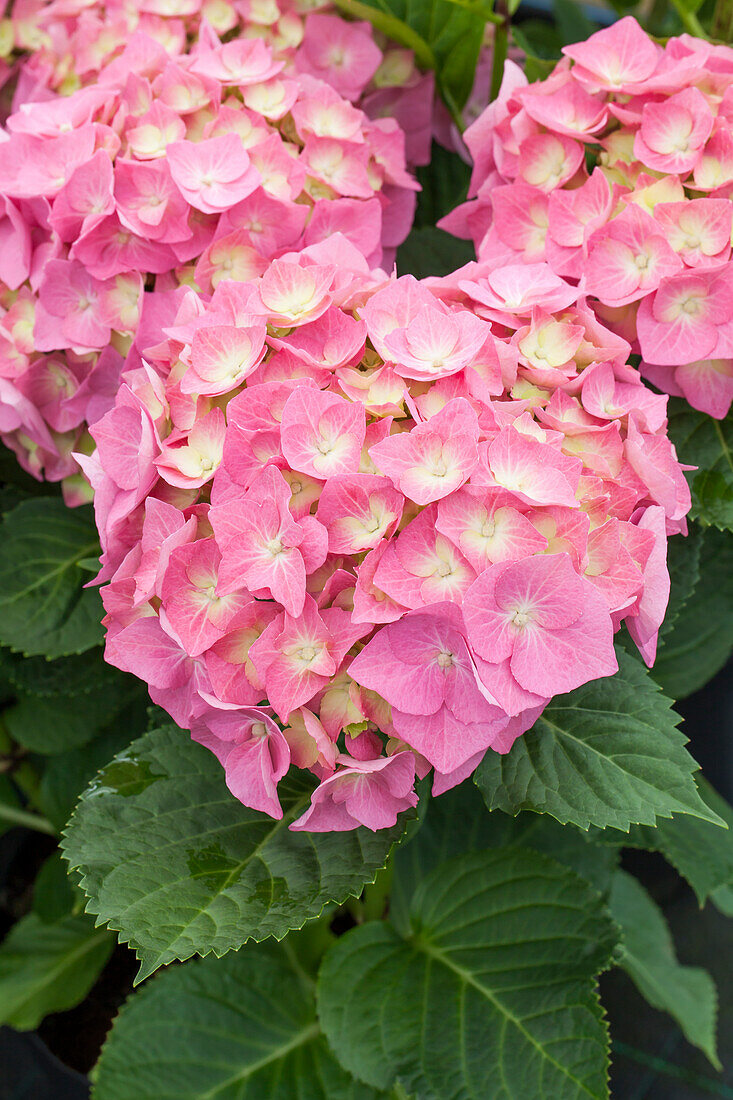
<point x="321" y="555"/>
<point x="168" y="168"/>
<point x="617" y="172"/>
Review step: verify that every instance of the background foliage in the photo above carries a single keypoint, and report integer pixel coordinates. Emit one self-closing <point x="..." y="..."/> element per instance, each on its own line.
<point x="454" y="956"/>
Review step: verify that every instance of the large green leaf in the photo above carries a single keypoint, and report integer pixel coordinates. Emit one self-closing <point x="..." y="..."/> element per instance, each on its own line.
<point x="48" y="968"/>
<point x="699" y="638"/>
<point x="444" y="35"/>
<point x="44" y="607"/>
<point x="706" y="443"/>
<point x="171" y="860"/>
<point x="457" y="823"/>
<point x="490" y="994"/>
<point x="607" y="754"/>
<point x="242" y="1027"/>
<point x="686" y="992"/>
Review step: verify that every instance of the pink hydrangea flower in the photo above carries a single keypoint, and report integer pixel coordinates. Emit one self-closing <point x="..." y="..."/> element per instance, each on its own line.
<point x="318" y="560"/>
<point x="179" y="160"/>
<point x="616" y="171"/>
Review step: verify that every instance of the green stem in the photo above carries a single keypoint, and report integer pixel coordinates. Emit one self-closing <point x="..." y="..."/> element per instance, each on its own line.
<point x="689" y="20"/>
<point x="28" y="820"/>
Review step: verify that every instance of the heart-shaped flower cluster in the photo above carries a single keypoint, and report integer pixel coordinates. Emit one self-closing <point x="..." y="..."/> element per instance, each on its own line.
<point x="168" y="170"/>
<point x="369" y="526"/>
<point x="617" y="171"/>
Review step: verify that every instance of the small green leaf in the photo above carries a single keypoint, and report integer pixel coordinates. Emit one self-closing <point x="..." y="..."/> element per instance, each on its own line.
<point x="607" y="754"/>
<point x="48" y="968"/>
<point x="54" y="894"/>
<point x="243" y="1026"/>
<point x="698" y="639"/>
<point x="707" y="443"/>
<point x="687" y="993"/>
<point x="444" y="35"/>
<point x="170" y="859"/>
<point x="494" y="983"/>
<point x="44" y="608"/>
<point x="432" y="252"/>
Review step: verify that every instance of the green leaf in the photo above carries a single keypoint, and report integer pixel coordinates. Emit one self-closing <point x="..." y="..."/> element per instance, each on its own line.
<point x="243" y="1026"/>
<point x="494" y="983"/>
<point x="683" y="563"/>
<point x="687" y="993"/>
<point x="699" y="638"/>
<point x="48" y="968"/>
<point x="444" y="183"/>
<point x="702" y="853"/>
<point x="707" y="443"/>
<point x="66" y="774"/>
<point x="444" y="35"/>
<point x="58" y="724"/>
<point x="9" y="805"/>
<point x="44" y="608"/>
<point x="457" y="823"/>
<point x="76" y="675"/>
<point x="171" y="860"/>
<point x="607" y="754"/>
<point x="54" y="894"/>
<point x="432" y="252"/>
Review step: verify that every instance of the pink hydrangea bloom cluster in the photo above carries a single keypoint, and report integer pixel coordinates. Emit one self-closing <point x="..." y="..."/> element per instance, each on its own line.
<point x="617" y="171"/>
<point x="167" y="170"/>
<point x="369" y="526"/>
<point x="65" y="44"/>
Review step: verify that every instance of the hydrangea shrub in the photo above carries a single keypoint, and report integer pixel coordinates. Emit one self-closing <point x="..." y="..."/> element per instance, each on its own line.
<point x="365" y="538"/>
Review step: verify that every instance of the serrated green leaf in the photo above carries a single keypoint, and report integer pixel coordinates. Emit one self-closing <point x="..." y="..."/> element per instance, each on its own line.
<point x="174" y="863"/>
<point x="444" y="35"/>
<point x="432" y="252"/>
<point x="48" y="968"/>
<point x="607" y="754"/>
<point x="491" y="993"/>
<point x="44" y="608"/>
<point x="699" y="639"/>
<point x="707" y="443"/>
<point x="241" y="1027"/>
<point x="702" y="853"/>
<point x="687" y="993"/>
